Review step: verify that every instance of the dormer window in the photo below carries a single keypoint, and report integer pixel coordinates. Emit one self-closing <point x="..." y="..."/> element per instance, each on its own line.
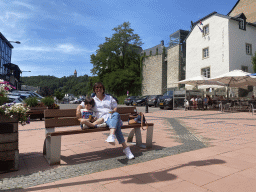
<point x="242" y="24"/>
<point x="242" y="21"/>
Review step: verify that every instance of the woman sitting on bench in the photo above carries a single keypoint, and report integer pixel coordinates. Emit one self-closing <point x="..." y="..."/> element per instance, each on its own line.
<point x="105" y="107"/>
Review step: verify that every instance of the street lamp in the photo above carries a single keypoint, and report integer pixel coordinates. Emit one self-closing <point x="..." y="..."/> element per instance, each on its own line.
<point x="21" y="76"/>
<point x="23" y="71"/>
<point x="15" y="42"/>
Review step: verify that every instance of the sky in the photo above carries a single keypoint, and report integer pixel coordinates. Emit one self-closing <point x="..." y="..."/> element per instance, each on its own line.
<point x="58" y="36"/>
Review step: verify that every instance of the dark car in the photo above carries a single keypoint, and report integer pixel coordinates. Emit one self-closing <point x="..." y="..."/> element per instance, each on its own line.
<point x="128" y="101"/>
<point x="166" y="100"/>
<point x="140" y="101"/>
<point x="152" y="100"/>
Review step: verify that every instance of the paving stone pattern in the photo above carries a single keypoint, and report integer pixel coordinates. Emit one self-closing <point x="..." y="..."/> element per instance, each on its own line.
<point x="189" y="140"/>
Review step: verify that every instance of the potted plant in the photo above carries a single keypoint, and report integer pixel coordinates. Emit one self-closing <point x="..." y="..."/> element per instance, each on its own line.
<point x="49" y="102"/>
<point x="10" y="112"/>
<point x="31" y="102"/>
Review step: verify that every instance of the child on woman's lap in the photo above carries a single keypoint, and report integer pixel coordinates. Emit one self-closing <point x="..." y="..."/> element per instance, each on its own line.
<point x="88" y="119"/>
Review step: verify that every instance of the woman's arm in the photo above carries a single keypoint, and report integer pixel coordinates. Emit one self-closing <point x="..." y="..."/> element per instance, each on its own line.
<point x="78" y="111"/>
<point x="115" y="109"/>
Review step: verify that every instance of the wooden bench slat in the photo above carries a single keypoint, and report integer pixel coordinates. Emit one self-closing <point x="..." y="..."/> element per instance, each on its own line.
<point x="72" y="121"/>
<point x="60" y="113"/>
<point x="71" y="132"/>
<point x="72" y="112"/>
<point x="124" y="110"/>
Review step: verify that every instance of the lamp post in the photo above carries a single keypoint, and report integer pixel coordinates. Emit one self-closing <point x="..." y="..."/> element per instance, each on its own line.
<point x="15" y="42"/>
<point x="21" y="76"/>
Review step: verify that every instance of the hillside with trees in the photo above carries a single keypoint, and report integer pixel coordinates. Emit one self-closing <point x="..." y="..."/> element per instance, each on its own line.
<point x="49" y="84"/>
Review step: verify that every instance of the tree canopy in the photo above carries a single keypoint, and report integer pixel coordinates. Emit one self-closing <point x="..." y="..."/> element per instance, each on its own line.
<point x="117" y="61"/>
<point x="254" y="62"/>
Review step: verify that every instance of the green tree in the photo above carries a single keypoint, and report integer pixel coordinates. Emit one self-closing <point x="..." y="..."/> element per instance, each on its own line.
<point x="254" y="62"/>
<point x="117" y="61"/>
<point x="59" y="95"/>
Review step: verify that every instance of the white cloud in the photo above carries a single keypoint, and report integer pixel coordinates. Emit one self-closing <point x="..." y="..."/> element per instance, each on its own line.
<point x="64" y="48"/>
<point x="29" y="6"/>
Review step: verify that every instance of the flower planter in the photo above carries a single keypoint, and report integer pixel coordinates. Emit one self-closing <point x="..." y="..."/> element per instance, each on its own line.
<point x="9" y="149"/>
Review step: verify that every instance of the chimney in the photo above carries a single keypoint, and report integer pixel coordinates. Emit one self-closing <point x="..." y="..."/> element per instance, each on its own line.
<point x="162" y="42"/>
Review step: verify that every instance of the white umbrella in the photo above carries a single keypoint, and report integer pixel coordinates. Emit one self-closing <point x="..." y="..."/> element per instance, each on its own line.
<point x="200" y="80"/>
<point x="211" y="86"/>
<point x="236" y="78"/>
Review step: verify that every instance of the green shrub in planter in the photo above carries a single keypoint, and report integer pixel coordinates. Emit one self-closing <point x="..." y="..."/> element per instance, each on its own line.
<point x="48" y="101"/>
<point x="31" y="101"/>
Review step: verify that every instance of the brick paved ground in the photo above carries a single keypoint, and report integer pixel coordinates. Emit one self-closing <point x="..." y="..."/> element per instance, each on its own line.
<point x="193" y="151"/>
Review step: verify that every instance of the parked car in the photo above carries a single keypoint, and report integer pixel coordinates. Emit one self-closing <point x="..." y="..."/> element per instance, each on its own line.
<point x="14" y="99"/>
<point x="32" y="93"/>
<point x="166" y="100"/>
<point x="23" y="96"/>
<point x="128" y="101"/>
<point x="152" y="100"/>
<point x="139" y="101"/>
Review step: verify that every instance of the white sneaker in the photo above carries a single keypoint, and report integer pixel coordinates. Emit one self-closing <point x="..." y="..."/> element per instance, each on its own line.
<point x="128" y="153"/>
<point x="83" y="126"/>
<point x="111" y="139"/>
<point x="102" y="125"/>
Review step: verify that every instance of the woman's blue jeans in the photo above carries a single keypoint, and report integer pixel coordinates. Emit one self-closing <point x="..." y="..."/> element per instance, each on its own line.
<point x="116" y="123"/>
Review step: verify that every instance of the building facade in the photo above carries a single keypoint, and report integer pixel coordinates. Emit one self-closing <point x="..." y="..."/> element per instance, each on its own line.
<point x="225" y="44"/>
<point x="5" y="55"/>
<point x="164" y="66"/>
<point x="8" y="71"/>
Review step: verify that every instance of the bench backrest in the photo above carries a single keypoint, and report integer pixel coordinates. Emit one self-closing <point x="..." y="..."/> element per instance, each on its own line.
<point x="67" y="117"/>
<point x="36" y="109"/>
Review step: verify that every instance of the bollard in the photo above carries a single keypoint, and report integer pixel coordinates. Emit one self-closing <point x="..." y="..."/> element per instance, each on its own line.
<point x="146" y="106"/>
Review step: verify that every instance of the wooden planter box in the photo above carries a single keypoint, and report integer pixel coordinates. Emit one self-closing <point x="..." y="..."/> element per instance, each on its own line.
<point x="9" y="149"/>
<point x="36" y="112"/>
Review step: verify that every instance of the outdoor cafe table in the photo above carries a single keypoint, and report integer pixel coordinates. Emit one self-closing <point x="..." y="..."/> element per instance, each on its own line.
<point x="237" y="104"/>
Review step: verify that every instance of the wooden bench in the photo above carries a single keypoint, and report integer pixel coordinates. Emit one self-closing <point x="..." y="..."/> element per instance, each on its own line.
<point x="36" y="112"/>
<point x="67" y="117"/>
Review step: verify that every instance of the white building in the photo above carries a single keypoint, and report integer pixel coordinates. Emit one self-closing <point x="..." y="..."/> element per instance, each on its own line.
<point x="226" y="43"/>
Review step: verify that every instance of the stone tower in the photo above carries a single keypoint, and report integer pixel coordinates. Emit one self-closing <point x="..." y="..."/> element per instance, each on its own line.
<point x="154" y="70"/>
<point x="75" y="74"/>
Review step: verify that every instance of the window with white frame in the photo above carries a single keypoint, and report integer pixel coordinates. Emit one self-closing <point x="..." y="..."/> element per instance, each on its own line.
<point x="242" y="24"/>
<point x="205" y="52"/>
<point x="244" y="68"/>
<point x="206" y="30"/>
<point x="248" y="48"/>
<point x="206" y="72"/>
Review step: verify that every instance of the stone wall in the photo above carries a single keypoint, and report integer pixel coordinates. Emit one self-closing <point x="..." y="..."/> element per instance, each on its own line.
<point x="248" y="7"/>
<point x="154" y="75"/>
<point x="173" y="66"/>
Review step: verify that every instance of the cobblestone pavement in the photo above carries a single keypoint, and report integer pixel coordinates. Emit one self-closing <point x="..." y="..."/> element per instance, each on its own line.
<point x="190" y="142"/>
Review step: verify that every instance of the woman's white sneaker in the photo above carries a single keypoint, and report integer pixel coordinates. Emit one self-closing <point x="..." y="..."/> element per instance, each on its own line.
<point x="128" y="153"/>
<point x="111" y="139"/>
